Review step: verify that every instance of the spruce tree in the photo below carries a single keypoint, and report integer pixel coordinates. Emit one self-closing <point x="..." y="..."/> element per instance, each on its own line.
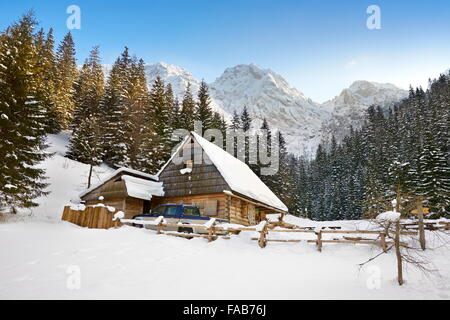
<point x="85" y="144"/>
<point x="236" y="121"/>
<point x="47" y="69"/>
<point x="246" y="120"/>
<point x="24" y="108"/>
<point x="160" y="142"/>
<point x="66" y="75"/>
<point x="114" y="109"/>
<point x="187" y="114"/>
<point x="89" y="89"/>
<point x="203" y="111"/>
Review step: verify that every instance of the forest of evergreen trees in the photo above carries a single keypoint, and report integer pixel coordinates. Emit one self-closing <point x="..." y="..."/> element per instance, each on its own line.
<point x="403" y="151"/>
<point x="119" y="120"/>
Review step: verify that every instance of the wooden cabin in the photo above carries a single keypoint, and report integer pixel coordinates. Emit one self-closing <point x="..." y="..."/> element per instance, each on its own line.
<point x="199" y="173"/>
<point x="126" y="190"/>
<point x="203" y="174"/>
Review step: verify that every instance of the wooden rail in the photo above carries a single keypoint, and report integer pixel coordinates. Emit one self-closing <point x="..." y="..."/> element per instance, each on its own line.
<point x="262" y="240"/>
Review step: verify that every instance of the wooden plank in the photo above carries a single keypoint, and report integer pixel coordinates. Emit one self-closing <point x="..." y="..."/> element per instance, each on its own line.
<point x="378" y="243"/>
<point x="293" y="231"/>
<point x="411" y="233"/>
<point x="95" y="220"/>
<point x="79" y="217"/>
<point x="281" y="240"/>
<point x="192" y="235"/>
<point x="65" y="213"/>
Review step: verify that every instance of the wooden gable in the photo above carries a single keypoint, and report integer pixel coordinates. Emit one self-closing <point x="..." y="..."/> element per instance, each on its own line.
<point x="204" y="178"/>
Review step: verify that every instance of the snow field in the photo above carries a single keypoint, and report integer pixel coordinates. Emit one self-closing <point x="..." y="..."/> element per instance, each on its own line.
<point x="131" y="263"/>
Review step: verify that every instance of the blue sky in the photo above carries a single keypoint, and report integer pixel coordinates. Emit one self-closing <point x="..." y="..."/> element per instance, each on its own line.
<point x="320" y="47"/>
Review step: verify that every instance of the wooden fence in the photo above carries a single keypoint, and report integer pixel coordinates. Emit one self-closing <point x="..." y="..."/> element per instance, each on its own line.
<point x="379" y="241"/>
<point x="427" y="225"/>
<point x="212" y="230"/>
<point x="91" y="217"/>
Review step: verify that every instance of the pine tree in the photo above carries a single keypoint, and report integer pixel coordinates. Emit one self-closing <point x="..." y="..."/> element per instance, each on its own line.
<point x="284" y="177"/>
<point x="246" y="120"/>
<point x="47" y="66"/>
<point x="89" y="89"/>
<point x="85" y="144"/>
<point x="66" y="75"/>
<point x="187" y="114"/>
<point x="114" y="108"/>
<point x="236" y="121"/>
<point x="203" y="111"/>
<point x="24" y="108"/>
<point x="174" y="106"/>
<point x="160" y="110"/>
<point x="267" y="133"/>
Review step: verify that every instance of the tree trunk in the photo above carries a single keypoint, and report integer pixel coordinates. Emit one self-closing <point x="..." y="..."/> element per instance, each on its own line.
<point x="91" y="168"/>
<point x="398" y="253"/>
<point x="397" y="205"/>
<point x="421" y="226"/>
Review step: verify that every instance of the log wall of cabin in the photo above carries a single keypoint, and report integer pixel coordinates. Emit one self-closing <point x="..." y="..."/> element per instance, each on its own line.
<point x="238" y="211"/>
<point x="118" y="203"/>
<point x="133" y="207"/>
<point x="204" y="178"/>
<point x="129" y="206"/>
<point x="200" y="201"/>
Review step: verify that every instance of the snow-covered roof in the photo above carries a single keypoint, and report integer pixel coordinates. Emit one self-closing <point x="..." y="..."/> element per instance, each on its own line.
<point x="141" y="188"/>
<point x="239" y="177"/>
<point x="116" y="173"/>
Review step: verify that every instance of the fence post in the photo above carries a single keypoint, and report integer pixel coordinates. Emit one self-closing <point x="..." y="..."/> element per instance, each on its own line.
<point x="160" y="226"/>
<point x="262" y="238"/>
<point x="383" y="241"/>
<point x="398" y="253"/>
<point x="319" y="240"/>
<point x="421" y="226"/>
<point x="211" y="232"/>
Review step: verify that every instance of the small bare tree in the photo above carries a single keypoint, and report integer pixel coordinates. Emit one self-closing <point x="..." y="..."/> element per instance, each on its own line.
<point x="409" y="250"/>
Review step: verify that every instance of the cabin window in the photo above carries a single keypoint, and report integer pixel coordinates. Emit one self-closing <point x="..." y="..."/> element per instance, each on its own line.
<point x="210" y="208"/>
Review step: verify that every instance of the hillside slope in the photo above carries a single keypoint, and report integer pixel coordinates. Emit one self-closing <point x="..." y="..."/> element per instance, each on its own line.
<point x="66" y="178"/>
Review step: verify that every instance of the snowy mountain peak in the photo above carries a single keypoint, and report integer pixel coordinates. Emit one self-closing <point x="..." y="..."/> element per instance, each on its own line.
<point x="178" y="77"/>
<point x="361" y="94"/>
<point x="268" y="95"/>
<point x="349" y="108"/>
<point x="367" y="89"/>
<point x="255" y="78"/>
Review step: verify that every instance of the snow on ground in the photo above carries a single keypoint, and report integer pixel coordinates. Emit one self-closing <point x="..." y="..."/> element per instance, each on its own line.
<point x="131" y="263"/>
<point x="67" y="178"/>
<point x="40" y="256"/>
